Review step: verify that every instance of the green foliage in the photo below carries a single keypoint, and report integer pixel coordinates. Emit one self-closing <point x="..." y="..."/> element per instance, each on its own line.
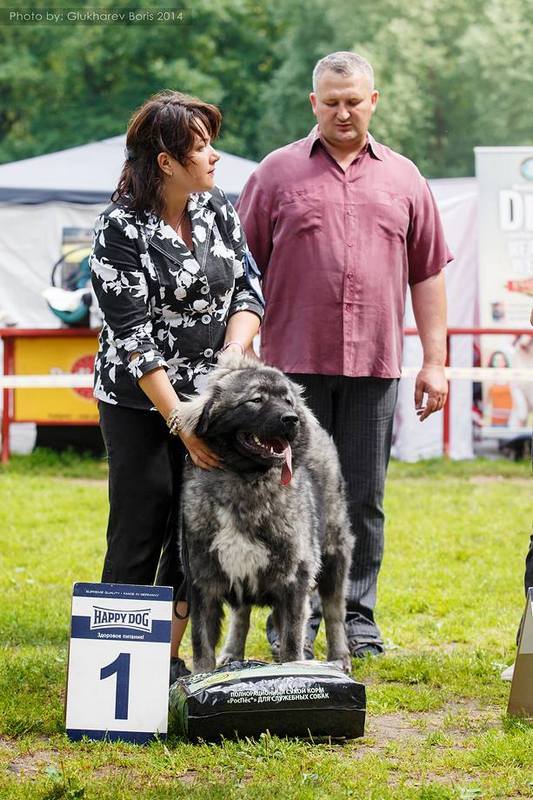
<point x="425" y="106"/>
<point x="67" y="85"/>
<point x="498" y="52"/>
<point x="452" y="74"/>
<point x="285" y="111"/>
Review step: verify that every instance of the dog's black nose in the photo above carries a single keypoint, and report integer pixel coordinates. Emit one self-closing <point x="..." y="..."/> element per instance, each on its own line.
<point x="289" y="419"/>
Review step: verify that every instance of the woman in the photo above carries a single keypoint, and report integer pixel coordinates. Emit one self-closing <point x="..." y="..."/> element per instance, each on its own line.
<point x="170" y="270"/>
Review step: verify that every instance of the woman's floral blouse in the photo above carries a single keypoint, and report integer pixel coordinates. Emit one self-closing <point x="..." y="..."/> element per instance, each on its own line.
<point x="163" y="305"/>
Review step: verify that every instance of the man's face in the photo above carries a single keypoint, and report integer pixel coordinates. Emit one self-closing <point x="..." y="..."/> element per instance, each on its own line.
<point x="343" y="106"/>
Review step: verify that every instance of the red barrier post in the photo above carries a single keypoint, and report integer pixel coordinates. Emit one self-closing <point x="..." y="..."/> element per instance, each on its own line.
<point x="7" y="397"/>
<point x="446" y="409"/>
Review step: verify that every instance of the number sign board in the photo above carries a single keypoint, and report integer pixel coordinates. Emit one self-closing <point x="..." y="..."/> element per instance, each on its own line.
<point x="119" y="662"/>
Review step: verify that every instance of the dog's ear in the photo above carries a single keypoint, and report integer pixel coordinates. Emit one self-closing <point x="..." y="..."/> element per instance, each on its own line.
<point x="297" y="388"/>
<point x="195" y="413"/>
<point x="203" y="423"/>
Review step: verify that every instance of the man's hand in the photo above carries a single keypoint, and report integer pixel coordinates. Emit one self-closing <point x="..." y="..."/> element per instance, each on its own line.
<point x="430" y="381"/>
<point x="429" y="306"/>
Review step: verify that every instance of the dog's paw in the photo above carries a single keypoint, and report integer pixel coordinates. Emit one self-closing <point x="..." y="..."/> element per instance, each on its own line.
<point x="227" y="658"/>
<point x="343" y="662"/>
<point x="203" y="665"/>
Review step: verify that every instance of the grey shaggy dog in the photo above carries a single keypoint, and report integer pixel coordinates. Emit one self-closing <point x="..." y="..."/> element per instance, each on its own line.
<point x="272" y="525"/>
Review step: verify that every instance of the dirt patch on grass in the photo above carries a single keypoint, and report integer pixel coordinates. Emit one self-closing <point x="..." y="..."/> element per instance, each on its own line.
<point x="112" y="771"/>
<point x="385" y="728"/>
<point x="9" y="744"/>
<point x="452" y="778"/>
<point x="31" y="764"/>
<point x="457" y="720"/>
<point x="189" y="776"/>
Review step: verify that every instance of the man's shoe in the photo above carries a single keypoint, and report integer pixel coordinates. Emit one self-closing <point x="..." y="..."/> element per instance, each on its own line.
<point x="177" y="669"/>
<point x="363" y="649"/>
<point x="309" y="650"/>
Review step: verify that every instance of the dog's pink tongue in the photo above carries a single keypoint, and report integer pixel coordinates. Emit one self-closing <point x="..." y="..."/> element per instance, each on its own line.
<point x="286" y="470"/>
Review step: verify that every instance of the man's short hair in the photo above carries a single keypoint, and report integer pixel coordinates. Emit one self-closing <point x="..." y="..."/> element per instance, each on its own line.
<point x="345" y="63"/>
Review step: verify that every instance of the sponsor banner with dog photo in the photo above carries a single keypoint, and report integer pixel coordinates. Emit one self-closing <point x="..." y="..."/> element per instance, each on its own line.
<point x="505" y="177"/>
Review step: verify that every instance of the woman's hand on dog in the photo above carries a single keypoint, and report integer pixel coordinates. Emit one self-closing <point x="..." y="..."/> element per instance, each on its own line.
<point x="201" y="455"/>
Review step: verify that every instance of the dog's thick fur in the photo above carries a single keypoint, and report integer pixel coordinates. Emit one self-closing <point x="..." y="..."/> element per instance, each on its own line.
<point x="252" y="539"/>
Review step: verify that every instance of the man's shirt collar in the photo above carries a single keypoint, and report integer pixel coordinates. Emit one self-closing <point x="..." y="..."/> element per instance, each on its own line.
<point x="374" y="148"/>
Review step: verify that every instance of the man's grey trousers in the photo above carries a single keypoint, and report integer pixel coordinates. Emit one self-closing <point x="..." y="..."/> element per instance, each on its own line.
<point x="358" y="413"/>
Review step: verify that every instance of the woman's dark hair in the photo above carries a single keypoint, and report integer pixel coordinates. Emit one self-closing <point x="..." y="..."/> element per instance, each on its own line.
<point x="166" y="123"/>
<point x="494" y="355"/>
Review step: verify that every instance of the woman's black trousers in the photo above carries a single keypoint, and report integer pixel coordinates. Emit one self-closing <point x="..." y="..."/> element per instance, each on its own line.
<point x="145" y="476"/>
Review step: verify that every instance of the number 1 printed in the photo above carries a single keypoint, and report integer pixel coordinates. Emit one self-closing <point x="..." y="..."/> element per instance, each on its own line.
<point x="120" y="666"/>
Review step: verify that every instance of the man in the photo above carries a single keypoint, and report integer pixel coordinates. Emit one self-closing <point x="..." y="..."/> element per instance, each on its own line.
<point x="339" y="225"/>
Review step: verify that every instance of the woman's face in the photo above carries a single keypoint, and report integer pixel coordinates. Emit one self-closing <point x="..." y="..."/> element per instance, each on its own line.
<point x="498" y="360"/>
<point x="199" y="174"/>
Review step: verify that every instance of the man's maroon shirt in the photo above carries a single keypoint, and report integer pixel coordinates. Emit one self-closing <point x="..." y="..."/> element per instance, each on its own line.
<point x="337" y="250"/>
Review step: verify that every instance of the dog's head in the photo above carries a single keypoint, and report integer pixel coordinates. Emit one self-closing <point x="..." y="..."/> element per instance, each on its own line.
<point x="252" y="415"/>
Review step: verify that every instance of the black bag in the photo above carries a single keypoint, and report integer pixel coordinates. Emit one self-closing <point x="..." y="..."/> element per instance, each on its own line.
<point x="246" y="698"/>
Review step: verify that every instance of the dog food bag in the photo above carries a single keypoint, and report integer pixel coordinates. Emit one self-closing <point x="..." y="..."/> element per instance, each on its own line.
<point x="245" y="698"/>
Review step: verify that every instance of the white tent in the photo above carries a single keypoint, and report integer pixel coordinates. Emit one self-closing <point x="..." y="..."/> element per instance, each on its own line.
<point x="41" y="196"/>
<point x="89" y="173"/>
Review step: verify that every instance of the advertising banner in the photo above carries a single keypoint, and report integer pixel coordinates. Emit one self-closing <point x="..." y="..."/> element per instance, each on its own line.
<point x="505" y="180"/>
<point x="42" y="355"/>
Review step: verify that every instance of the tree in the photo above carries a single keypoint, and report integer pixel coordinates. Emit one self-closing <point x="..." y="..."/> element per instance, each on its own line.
<point x="66" y="85"/>
<point x="452" y="73"/>
<point x="500" y="55"/>
<point x="424" y="108"/>
<point x="285" y="110"/>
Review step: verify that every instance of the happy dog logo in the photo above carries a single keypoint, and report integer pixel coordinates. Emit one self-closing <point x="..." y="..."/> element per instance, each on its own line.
<point x="139" y="619"/>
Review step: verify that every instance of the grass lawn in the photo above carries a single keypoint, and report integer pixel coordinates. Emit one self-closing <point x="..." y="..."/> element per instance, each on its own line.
<point x="449" y="604"/>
